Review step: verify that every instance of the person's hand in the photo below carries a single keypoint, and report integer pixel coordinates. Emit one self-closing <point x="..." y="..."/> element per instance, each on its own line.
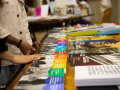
<point x="26" y="48"/>
<point x="20" y="59"/>
<point x="36" y="44"/>
<point x="27" y="58"/>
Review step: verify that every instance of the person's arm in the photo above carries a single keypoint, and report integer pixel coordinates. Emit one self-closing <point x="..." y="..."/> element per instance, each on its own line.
<point x="17" y="59"/>
<point x="11" y="40"/>
<point x="24" y="46"/>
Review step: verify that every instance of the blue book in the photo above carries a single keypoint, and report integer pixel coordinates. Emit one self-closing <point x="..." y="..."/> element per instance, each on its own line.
<point x="54" y="87"/>
<point x="108" y="40"/>
<point x="55" y="80"/>
<point x="115" y="31"/>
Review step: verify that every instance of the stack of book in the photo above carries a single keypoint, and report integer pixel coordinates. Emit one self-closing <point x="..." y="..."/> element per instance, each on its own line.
<point x="98" y="75"/>
<point x="95" y="56"/>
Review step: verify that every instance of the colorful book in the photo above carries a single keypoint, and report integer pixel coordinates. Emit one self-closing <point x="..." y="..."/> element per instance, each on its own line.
<point x="88" y="60"/>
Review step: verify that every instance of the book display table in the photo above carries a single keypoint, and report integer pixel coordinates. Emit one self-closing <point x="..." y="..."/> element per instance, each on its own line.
<point x="55" y="20"/>
<point x="54" y="45"/>
<point x="37" y="23"/>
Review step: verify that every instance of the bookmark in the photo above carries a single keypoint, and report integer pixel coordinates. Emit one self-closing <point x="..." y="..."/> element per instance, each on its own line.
<point x="61" y="65"/>
<point x="60" y="52"/>
<point x="63" y="38"/>
<point x="61" y="46"/>
<point x="56" y="72"/>
<point x="62" y="43"/>
<point x="60" y="49"/>
<point x="55" y="80"/>
<point x="58" y="61"/>
<point x="54" y="87"/>
<point x="64" y="56"/>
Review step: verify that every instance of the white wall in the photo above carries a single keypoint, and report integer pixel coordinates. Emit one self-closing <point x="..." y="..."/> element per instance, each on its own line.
<point x="95" y="9"/>
<point x="59" y="3"/>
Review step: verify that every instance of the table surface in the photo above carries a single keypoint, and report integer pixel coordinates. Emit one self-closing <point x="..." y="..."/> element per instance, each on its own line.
<point x="69" y="77"/>
<point x="56" y="20"/>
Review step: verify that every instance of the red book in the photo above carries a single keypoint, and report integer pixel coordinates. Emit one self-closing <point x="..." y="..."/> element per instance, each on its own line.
<point x="60" y="52"/>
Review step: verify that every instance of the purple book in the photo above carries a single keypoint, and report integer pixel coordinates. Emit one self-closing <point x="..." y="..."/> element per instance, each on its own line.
<point x="83" y="25"/>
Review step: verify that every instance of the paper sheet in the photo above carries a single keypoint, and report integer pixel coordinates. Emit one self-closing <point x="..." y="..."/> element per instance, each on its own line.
<point x="52" y="5"/>
<point x="44" y="10"/>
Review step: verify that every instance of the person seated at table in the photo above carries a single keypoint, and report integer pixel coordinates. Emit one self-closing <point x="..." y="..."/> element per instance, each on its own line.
<point x="84" y="20"/>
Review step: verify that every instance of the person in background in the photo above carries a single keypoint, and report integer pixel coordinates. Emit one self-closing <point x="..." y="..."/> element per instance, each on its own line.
<point x="13" y="22"/>
<point x="106" y="8"/>
<point x="84" y="20"/>
<point x="84" y="2"/>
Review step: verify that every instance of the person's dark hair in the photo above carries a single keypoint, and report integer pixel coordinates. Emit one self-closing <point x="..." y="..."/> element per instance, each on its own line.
<point x="1" y="3"/>
<point x="44" y="2"/>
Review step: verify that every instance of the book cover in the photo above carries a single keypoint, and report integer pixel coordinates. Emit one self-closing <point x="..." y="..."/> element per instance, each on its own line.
<point x="83" y="61"/>
<point x="69" y="10"/>
<point x="63" y="11"/>
<point x="96" y="38"/>
<point x="95" y="48"/>
<point x="88" y="60"/>
<point x="77" y="11"/>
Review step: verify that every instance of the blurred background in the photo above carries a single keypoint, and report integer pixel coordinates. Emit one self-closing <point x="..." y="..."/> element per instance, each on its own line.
<point x="95" y="8"/>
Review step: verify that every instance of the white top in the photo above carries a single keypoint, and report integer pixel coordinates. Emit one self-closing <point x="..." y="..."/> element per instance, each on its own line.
<point x="88" y="6"/>
<point x="13" y="20"/>
<point x="106" y="4"/>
